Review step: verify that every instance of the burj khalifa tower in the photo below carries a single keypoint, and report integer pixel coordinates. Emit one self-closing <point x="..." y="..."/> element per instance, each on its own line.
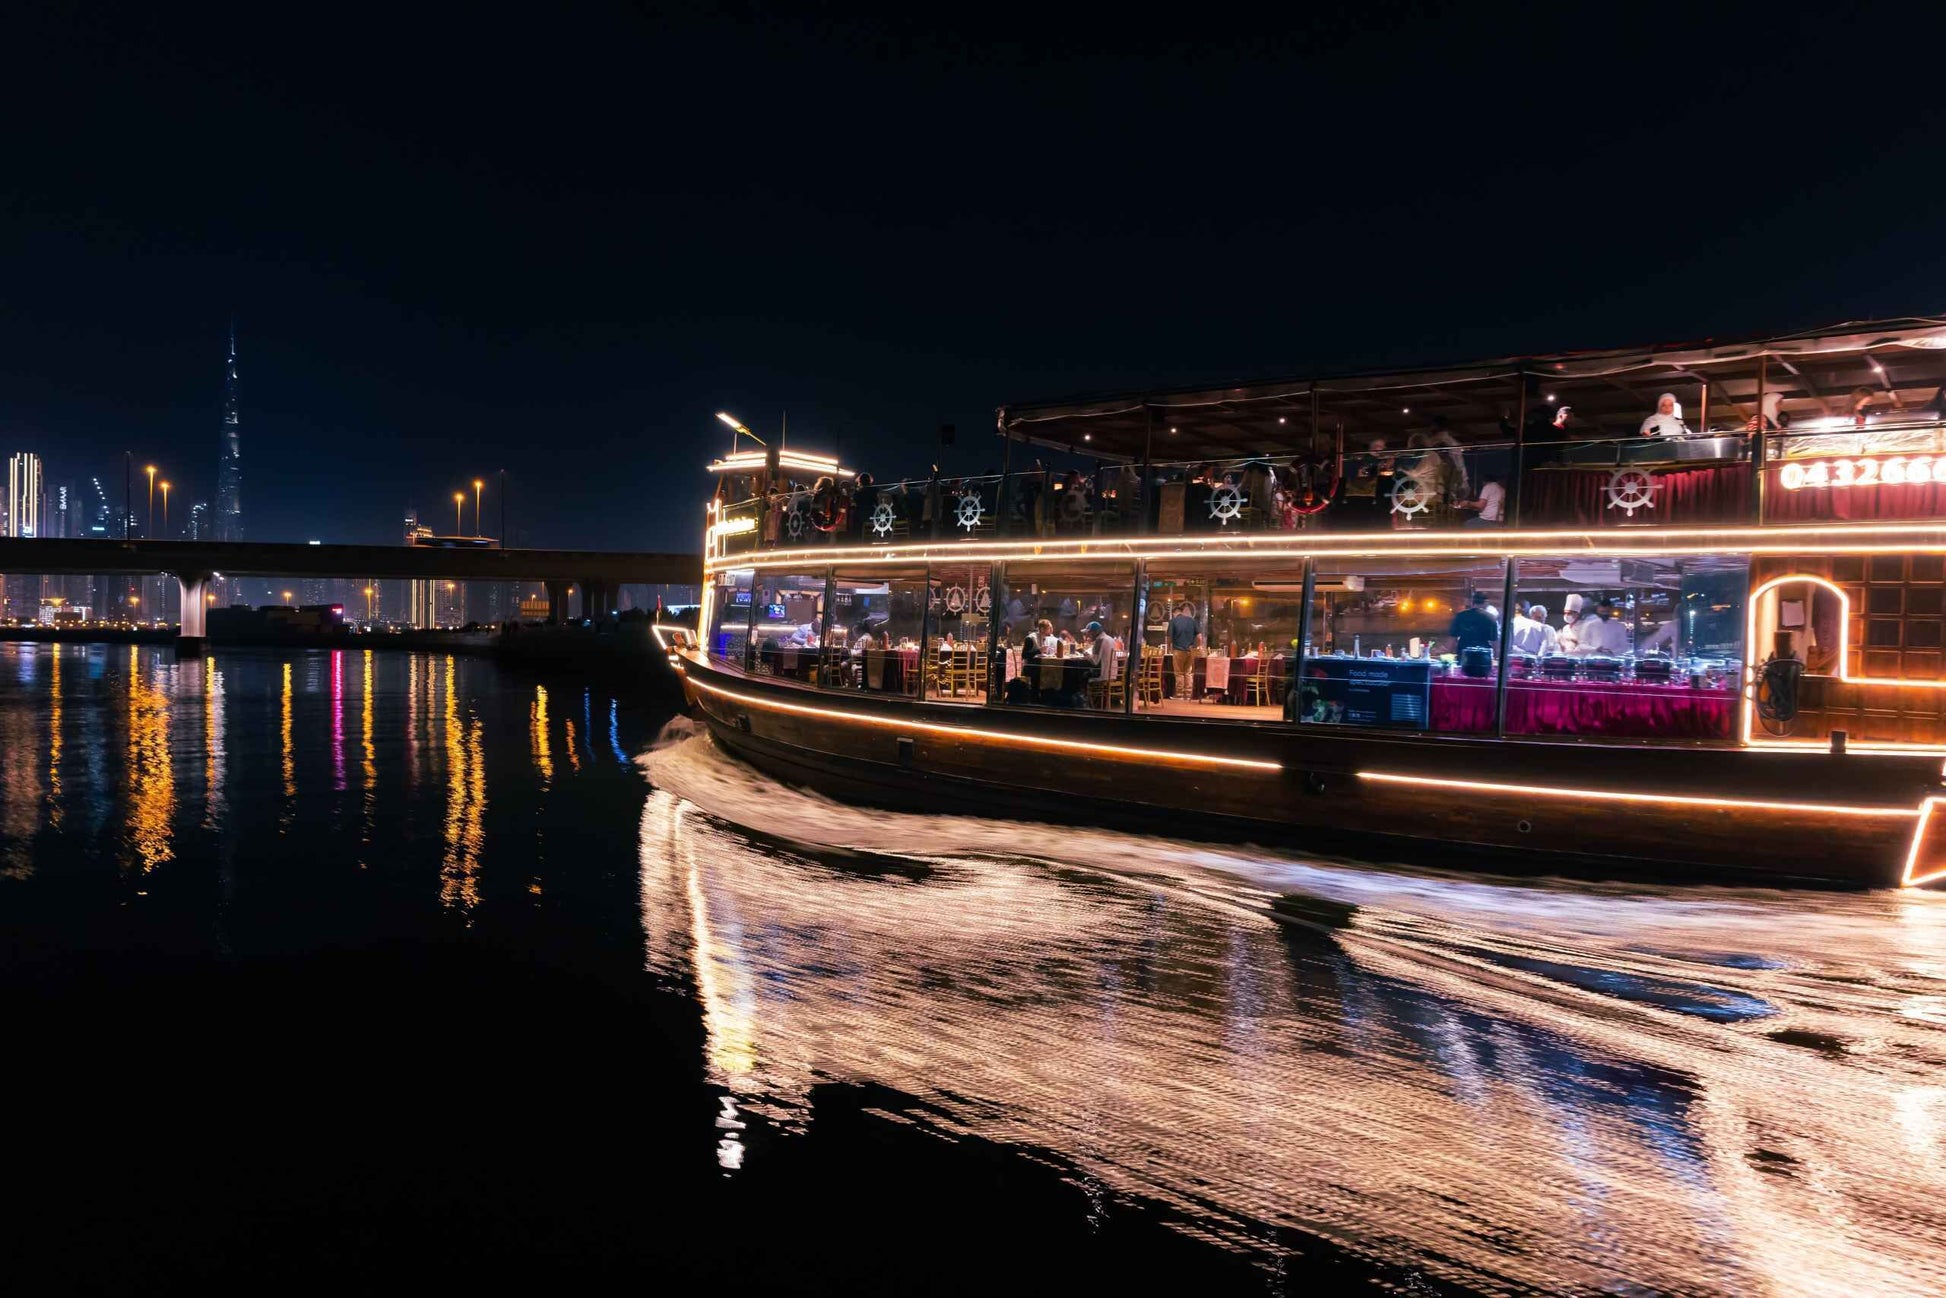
<point x="229" y="459"/>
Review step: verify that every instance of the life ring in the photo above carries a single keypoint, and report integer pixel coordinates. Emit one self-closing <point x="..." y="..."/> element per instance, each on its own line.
<point x="827" y="508"/>
<point x="1320" y="500"/>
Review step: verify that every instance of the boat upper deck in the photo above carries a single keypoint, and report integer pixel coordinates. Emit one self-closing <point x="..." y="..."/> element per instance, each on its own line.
<point x="1820" y="434"/>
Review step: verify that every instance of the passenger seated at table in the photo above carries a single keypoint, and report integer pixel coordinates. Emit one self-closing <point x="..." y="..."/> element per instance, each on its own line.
<point x="1474" y="627"/>
<point x="1603" y="634"/>
<point x="1050" y="643"/>
<point x="1489" y="509"/>
<point x="1667" y="419"/>
<point x="1103" y="649"/>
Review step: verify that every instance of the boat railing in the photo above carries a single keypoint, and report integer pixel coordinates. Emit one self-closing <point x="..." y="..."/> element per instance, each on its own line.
<point x="1842" y="469"/>
<point x="1887" y="469"/>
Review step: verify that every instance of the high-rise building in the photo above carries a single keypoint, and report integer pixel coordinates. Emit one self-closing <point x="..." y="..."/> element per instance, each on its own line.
<point x="198" y="528"/>
<point x="24" y="492"/>
<point x="229" y="458"/>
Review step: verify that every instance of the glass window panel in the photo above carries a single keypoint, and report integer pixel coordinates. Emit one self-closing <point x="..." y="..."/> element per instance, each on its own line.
<point x="1219" y="640"/>
<point x="958" y="632"/>
<point x="1629" y="648"/>
<point x="789" y="624"/>
<point x="729" y="616"/>
<point x="1067" y="635"/>
<point x="1404" y="644"/>
<point x="876" y="620"/>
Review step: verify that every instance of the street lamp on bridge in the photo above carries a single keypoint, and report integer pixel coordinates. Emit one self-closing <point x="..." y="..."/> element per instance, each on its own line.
<point x="150" y="470"/>
<point x="165" y="509"/>
<point x="459" y="506"/>
<point x="478" y="486"/>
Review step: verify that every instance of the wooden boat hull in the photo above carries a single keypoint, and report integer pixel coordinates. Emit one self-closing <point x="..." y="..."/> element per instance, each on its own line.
<point x="1702" y="813"/>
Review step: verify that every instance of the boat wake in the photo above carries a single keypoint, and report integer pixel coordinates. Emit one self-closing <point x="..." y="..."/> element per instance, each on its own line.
<point x="1704" y="1088"/>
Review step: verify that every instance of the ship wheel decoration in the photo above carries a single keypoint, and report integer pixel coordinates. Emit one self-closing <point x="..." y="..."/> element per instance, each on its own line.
<point x="797" y="520"/>
<point x="1409" y="497"/>
<point x="969" y="512"/>
<point x="956" y="599"/>
<point x="1631" y="489"/>
<point x="984" y="600"/>
<point x="1226" y="504"/>
<point x="882" y="518"/>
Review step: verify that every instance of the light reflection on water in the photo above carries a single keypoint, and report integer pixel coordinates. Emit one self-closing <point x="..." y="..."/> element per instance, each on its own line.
<point x="1512" y="1085"/>
<point x="1569" y="1087"/>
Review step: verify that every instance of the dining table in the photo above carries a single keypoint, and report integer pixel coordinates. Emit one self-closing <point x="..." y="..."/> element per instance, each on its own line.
<point x="798" y="662"/>
<point x="1234" y="688"/>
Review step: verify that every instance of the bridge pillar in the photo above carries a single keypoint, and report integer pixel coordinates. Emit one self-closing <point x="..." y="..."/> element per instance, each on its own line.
<point x="193" y="634"/>
<point x="597" y="599"/>
<point x="557" y="602"/>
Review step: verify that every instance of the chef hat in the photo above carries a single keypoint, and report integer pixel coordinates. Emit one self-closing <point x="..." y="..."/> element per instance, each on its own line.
<point x="1572" y="604"/>
<point x="1675" y="406"/>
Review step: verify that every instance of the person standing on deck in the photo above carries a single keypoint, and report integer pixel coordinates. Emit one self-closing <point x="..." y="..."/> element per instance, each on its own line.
<point x="1184" y="641"/>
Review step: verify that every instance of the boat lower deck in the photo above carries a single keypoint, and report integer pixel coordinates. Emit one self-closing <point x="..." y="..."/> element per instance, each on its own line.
<point x="1700" y="811"/>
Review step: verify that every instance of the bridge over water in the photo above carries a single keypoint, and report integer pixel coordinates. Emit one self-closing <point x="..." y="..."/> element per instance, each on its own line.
<point x="193" y="563"/>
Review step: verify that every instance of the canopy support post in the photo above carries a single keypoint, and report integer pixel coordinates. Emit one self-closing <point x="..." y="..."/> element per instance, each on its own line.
<point x="1759" y="443"/>
<point x="1003" y="499"/>
<point x="1142" y="526"/>
<point x="1519" y="474"/>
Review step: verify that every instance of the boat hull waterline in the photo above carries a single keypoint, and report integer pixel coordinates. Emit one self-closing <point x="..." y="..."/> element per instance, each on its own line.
<point x="1759" y="816"/>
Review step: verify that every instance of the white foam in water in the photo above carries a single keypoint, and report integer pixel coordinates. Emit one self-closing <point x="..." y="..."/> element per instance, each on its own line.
<point x="1843" y="963"/>
<point x="1502" y="1022"/>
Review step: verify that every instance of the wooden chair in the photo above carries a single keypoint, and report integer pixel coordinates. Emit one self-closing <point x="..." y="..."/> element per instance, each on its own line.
<point x="1148" y="675"/>
<point x="1257" y="686"/>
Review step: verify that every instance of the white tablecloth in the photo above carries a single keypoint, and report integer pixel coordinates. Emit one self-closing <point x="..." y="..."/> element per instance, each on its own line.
<point x="1217" y="673"/>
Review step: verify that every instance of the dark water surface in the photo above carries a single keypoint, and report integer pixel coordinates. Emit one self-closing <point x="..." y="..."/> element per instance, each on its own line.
<point x="325" y="969"/>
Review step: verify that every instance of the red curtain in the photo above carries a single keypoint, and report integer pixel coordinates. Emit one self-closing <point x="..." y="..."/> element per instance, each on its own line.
<point x="1848" y="504"/>
<point x="1717" y="494"/>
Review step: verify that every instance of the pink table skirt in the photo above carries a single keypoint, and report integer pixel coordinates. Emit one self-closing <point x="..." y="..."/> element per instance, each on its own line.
<point x="1617" y="709"/>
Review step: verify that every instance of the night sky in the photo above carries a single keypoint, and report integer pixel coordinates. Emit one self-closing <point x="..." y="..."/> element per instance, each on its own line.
<point x="554" y="240"/>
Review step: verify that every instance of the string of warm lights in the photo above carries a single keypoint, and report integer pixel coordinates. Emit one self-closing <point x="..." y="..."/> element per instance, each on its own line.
<point x="1822" y="538"/>
<point x="1011" y="738"/>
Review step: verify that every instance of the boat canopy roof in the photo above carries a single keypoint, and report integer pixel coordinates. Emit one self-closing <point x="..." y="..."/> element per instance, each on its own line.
<point x="1895" y="366"/>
